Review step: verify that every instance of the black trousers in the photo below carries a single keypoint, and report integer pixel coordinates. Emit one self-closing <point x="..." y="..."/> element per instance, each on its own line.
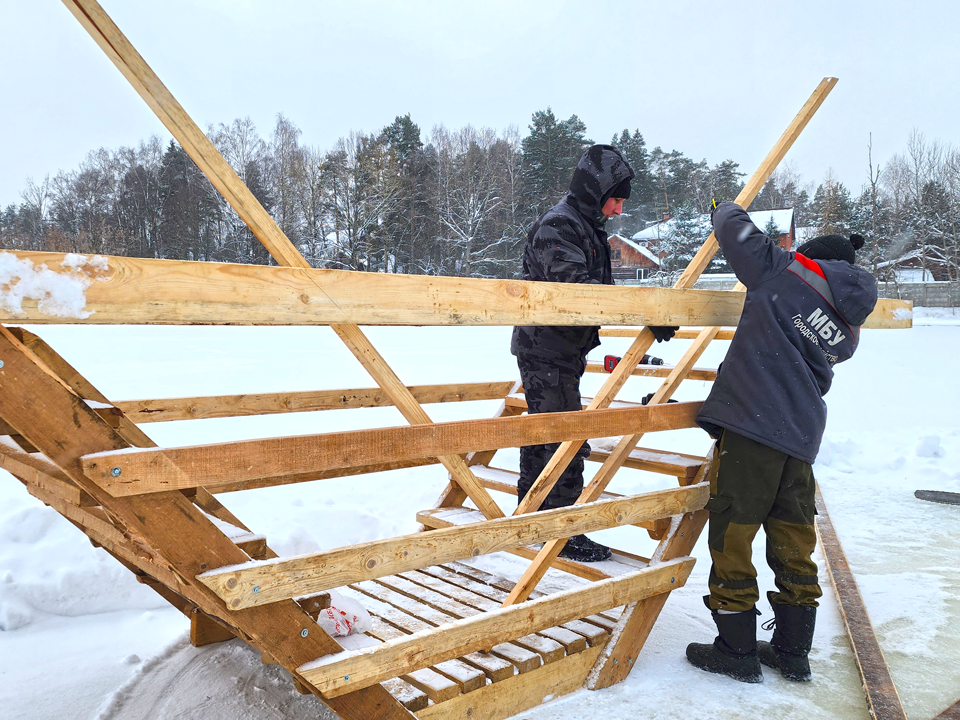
<point x="550" y="388"/>
<point x="753" y="485"/>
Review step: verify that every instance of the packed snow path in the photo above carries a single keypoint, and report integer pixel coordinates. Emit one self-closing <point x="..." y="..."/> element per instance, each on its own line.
<point x="80" y="638"/>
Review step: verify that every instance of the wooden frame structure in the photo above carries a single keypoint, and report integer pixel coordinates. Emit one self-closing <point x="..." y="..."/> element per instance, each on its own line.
<point x="448" y="640"/>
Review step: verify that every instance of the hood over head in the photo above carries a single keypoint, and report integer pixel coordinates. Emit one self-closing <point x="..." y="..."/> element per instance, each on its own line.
<point x="854" y="289"/>
<point x="599" y="171"/>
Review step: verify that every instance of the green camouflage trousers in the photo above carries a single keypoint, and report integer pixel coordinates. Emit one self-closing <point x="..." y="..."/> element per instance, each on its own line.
<point x="753" y="485"/>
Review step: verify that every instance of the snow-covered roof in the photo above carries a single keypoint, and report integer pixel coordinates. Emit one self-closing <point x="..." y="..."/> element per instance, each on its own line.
<point x="760" y="218"/>
<point x="639" y="248"/>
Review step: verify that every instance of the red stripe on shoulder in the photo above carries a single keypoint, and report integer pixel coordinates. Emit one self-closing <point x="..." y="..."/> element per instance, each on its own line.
<point x="810" y="265"/>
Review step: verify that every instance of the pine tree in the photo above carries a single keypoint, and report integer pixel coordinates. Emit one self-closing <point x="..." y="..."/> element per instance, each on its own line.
<point x="550" y="155"/>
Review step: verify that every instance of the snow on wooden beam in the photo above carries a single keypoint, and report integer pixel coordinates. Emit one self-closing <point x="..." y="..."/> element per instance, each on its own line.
<point x="136" y="472"/>
<point x="119" y="290"/>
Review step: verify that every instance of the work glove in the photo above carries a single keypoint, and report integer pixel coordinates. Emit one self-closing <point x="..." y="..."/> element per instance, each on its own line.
<point x="648" y="397"/>
<point x="663" y="332"/>
<point x="713" y="209"/>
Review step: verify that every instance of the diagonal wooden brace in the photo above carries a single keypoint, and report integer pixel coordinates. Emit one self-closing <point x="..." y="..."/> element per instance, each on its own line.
<point x="198" y="146"/>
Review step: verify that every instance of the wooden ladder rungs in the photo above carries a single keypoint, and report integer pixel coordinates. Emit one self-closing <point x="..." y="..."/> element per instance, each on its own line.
<point x="621" y="561"/>
<point x="663" y="371"/>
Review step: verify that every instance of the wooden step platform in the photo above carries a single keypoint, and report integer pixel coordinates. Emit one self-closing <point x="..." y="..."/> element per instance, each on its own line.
<point x="421" y="600"/>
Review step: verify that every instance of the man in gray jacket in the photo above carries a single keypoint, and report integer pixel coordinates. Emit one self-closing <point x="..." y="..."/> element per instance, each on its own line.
<point x="801" y="316"/>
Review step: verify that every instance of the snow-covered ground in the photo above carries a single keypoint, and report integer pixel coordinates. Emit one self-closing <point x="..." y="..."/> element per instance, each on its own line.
<point x="80" y="638"/>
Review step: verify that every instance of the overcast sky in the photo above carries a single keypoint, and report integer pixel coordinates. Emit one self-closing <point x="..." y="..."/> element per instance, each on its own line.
<point x="715" y="80"/>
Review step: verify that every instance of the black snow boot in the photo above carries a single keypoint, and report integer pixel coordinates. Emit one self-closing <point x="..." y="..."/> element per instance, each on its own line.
<point x="580" y="548"/>
<point x="734" y="651"/>
<point x="792" y="639"/>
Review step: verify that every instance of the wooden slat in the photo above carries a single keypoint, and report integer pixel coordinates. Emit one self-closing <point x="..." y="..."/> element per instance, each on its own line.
<point x="204" y="630"/>
<point x="64" y="428"/>
<point x="705" y="374"/>
<point x="402" y="622"/>
<point x="883" y="700"/>
<point x="347" y="671"/>
<point x="511" y="697"/>
<point x="281" y="579"/>
<point x="220" y="406"/>
<point x="413" y="699"/>
<point x="43" y="474"/>
<point x="681" y="334"/>
<point x="150" y="471"/>
<point x="431" y="609"/>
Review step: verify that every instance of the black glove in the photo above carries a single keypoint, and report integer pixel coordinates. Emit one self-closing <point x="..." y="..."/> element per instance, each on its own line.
<point x="651" y="360"/>
<point x="647" y="398"/>
<point x="663" y="332"/>
<point x="713" y="209"/>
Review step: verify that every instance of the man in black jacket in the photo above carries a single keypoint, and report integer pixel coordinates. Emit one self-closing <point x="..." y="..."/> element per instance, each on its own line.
<point x="568" y="244"/>
<point x="801" y="316"/>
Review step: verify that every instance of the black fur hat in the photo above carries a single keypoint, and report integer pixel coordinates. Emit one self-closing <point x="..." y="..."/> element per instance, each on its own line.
<point x="832" y="247"/>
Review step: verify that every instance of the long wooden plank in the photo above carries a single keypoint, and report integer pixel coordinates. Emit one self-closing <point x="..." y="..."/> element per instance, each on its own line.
<point x="64" y="427"/>
<point x="146" y="471"/>
<point x="562" y="458"/>
<point x="42" y="474"/>
<point x="681" y="334"/>
<point x="271" y="580"/>
<point x="521" y="692"/>
<point x="220" y="406"/>
<point x="883" y="700"/>
<point x="175" y="292"/>
<point x="336" y="675"/>
<point x="704" y="374"/>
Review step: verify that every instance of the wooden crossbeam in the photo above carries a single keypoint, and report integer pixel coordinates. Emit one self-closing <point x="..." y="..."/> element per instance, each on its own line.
<point x="158" y="470"/>
<point x="348" y="671"/>
<point x="179" y="292"/>
<point x="659" y="371"/>
<point x="220" y="406"/>
<point x="269" y="581"/>
<point x="681" y="334"/>
<point x="561" y="459"/>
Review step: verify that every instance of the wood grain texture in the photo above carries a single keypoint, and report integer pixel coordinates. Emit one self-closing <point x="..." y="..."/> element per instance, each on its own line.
<point x="175" y="292"/>
<point x="282" y="579"/>
<point x="339" y="674"/>
<point x="883" y="700"/>
<point x="219" y="406"/>
<point x="149" y="471"/>
<point x="506" y="699"/>
<point x="681" y="334"/>
<point x="705" y="374"/>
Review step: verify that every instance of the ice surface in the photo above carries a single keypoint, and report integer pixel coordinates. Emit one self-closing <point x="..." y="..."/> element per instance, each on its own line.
<point x="71" y="617"/>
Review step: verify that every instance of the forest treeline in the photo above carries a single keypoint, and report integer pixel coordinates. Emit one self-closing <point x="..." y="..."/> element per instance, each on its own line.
<point x="451" y="202"/>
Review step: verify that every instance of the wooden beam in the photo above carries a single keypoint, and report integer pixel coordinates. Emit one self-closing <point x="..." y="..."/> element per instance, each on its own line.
<point x="64" y="428"/>
<point x="174" y="292"/>
<point x="43" y="474"/>
<point x="883" y="700"/>
<point x="511" y="697"/>
<point x="266" y="582"/>
<point x="338" y="674"/>
<point x="681" y="334"/>
<point x="659" y="371"/>
<point x="951" y="713"/>
<point x="219" y="406"/>
<point x="148" y="471"/>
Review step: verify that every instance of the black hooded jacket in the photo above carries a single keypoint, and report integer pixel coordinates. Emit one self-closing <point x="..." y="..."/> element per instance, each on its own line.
<point x="800" y="317"/>
<point x="568" y="244"/>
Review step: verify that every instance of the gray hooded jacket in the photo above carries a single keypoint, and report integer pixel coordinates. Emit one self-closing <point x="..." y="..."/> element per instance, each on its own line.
<point x="800" y="318"/>
<point x="568" y="244"/>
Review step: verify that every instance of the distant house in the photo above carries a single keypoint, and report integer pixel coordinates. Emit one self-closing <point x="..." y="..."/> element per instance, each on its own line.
<point x="631" y="260"/>
<point x="784" y="220"/>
